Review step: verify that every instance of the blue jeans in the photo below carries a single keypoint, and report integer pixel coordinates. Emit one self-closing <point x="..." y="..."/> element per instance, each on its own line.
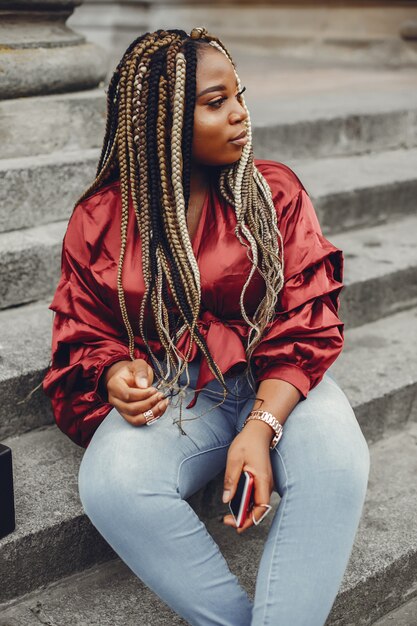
<point x="134" y="481"/>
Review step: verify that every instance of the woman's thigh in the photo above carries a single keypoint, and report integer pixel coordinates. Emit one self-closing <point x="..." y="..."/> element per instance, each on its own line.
<point x="123" y="459"/>
<point x="322" y="442"/>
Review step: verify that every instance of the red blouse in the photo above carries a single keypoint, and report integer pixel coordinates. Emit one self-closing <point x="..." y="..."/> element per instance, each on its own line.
<point x="88" y="332"/>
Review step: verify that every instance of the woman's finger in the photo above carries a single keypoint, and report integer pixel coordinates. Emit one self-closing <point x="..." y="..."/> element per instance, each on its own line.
<point x="121" y="390"/>
<point x="263" y="484"/>
<point x="231" y="477"/>
<point x="247" y="524"/>
<point x="257" y="511"/>
<point x="139" y="420"/>
<point x="229" y="520"/>
<point x="135" y="408"/>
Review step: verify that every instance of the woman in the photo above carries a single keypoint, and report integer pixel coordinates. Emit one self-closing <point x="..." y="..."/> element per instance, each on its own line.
<point x="199" y="297"/>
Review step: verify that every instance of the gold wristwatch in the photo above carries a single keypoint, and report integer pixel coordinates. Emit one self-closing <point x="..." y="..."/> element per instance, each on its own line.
<point x="264" y="416"/>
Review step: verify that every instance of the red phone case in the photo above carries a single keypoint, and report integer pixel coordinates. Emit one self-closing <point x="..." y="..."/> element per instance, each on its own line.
<point x="240" y="505"/>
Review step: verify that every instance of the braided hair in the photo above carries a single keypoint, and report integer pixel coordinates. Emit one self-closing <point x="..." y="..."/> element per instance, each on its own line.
<point x="148" y="147"/>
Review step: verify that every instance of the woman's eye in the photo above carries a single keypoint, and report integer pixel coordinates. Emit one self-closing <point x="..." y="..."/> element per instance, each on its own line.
<point x="217" y="103"/>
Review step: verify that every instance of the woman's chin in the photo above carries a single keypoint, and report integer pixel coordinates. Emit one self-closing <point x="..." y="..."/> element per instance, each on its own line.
<point x="230" y="159"/>
<point x="227" y="159"/>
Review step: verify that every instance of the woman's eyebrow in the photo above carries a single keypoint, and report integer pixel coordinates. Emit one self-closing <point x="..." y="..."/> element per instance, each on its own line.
<point x="214" y="88"/>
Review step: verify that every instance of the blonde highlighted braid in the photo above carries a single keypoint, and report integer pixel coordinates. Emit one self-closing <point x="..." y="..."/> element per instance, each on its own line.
<point x="147" y="144"/>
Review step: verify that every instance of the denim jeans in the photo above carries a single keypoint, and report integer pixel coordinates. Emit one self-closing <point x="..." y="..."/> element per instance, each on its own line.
<point x="134" y="481"/>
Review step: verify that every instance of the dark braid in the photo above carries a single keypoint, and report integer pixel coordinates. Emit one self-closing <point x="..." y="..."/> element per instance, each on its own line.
<point x="190" y="54"/>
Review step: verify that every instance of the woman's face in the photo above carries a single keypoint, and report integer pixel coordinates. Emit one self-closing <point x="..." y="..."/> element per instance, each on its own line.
<point x="219" y="114"/>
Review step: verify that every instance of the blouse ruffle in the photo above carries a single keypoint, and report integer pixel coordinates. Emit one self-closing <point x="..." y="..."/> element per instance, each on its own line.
<point x="306" y="335"/>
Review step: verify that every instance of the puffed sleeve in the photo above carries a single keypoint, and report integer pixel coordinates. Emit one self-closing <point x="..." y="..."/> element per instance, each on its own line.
<point x="306" y="335"/>
<point x="86" y="338"/>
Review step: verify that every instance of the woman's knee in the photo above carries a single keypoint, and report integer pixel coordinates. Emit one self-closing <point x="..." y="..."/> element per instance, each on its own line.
<point x="114" y="499"/>
<point x="119" y="476"/>
<point x="346" y="443"/>
<point x="348" y="479"/>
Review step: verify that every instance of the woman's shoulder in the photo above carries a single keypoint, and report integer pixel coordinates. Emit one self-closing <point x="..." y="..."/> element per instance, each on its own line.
<point x="101" y="205"/>
<point x="108" y="190"/>
<point x="92" y="219"/>
<point x="282" y="180"/>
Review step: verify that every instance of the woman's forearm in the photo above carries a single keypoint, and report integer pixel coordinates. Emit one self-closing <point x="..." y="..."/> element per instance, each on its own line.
<point x="277" y="397"/>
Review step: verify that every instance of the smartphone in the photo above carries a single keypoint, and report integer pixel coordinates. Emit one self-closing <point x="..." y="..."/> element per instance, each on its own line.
<point x="242" y="501"/>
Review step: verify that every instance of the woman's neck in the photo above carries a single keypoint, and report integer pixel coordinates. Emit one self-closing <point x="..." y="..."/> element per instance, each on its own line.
<point x="200" y="179"/>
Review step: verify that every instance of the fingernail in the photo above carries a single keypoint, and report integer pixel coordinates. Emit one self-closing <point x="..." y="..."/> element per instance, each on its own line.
<point x="142" y="382"/>
<point x="226" y="496"/>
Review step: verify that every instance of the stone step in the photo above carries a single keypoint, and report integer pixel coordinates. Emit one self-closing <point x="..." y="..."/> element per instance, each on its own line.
<point x="22" y="369"/>
<point x="380" y="270"/>
<point x="30" y="263"/>
<point x="37" y="190"/>
<point x="371" y="38"/>
<point x="301" y="111"/>
<point x="378" y="372"/>
<point x="405" y="615"/>
<point x="326" y="124"/>
<point x="54" y="123"/>
<point x="53" y="538"/>
<point x="348" y="192"/>
<point x="306" y="109"/>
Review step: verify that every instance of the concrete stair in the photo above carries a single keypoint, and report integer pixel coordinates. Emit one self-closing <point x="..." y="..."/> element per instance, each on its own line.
<point x="355" y="150"/>
<point x="372" y="188"/>
<point x="61" y="122"/>
<point x="361" y="190"/>
<point x="41" y="178"/>
<point x="37" y="190"/>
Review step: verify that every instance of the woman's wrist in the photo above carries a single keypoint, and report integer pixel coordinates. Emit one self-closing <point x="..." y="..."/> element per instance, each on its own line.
<point x="106" y="374"/>
<point x="260" y="430"/>
<point x="112" y="369"/>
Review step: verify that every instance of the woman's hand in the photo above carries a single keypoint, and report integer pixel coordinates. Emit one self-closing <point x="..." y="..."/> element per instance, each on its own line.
<point x="129" y="390"/>
<point x="250" y="451"/>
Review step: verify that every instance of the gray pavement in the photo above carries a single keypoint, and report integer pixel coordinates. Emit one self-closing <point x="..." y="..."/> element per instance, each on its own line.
<point x="406" y="615"/>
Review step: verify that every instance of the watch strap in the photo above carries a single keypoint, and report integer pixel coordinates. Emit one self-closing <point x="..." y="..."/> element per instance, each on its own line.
<point x="270" y="419"/>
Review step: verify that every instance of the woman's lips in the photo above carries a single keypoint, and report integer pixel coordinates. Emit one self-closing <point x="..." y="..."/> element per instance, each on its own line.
<point x="240" y="142"/>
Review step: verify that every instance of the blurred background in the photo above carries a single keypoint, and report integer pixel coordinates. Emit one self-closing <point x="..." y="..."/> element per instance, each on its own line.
<point x="358" y="32"/>
<point x="332" y="92"/>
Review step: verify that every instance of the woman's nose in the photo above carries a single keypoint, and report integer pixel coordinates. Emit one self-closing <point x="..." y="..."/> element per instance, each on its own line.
<point x="239" y="114"/>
